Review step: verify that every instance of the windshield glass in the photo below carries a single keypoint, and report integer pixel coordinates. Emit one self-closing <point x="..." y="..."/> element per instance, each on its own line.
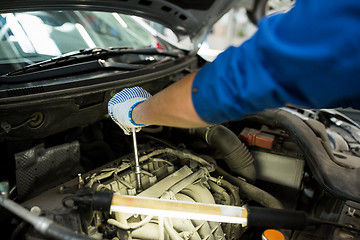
<point x="30" y="37"/>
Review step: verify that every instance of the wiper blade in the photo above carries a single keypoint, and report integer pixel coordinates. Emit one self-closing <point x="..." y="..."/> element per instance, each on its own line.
<point x="78" y="68"/>
<point x="87" y="55"/>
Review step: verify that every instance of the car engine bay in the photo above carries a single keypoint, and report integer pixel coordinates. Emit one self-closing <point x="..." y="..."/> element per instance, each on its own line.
<point x="250" y="162"/>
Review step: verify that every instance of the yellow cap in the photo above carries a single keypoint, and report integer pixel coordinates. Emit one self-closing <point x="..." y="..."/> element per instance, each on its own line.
<point x="272" y="234"/>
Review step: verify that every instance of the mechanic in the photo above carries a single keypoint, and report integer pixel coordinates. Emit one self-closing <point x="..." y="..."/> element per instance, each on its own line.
<point x="309" y="56"/>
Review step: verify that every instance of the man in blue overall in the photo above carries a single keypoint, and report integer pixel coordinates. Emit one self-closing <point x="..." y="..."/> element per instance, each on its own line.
<point x="309" y="56"/>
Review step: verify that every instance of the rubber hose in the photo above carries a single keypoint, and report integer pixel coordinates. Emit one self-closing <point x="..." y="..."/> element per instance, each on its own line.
<point x="232" y="150"/>
<point x="221" y="191"/>
<point x="232" y="189"/>
<point x="250" y="191"/>
<point x="20" y="229"/>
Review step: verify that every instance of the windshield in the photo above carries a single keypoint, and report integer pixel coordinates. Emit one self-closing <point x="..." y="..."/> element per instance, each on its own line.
<point x="30" y="37"/>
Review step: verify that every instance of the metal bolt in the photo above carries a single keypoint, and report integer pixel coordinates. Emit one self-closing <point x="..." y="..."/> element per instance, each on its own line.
<point x="36" y="211"/>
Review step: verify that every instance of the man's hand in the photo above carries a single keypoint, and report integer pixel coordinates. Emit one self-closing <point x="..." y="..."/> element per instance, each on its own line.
<point x="121" y="105"/>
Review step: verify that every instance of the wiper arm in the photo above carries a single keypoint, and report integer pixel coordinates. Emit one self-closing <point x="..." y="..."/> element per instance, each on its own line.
<point x="87" y="55"/>
<point x="82" y="67"/>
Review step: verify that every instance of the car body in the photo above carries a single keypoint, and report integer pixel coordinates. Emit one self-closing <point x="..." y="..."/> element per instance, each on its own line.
<point x="61" y="63"/>
<point x="263" y="8"/>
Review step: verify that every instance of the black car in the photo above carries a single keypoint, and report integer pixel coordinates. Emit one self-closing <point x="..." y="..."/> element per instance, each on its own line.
<point x="295" y="171"/>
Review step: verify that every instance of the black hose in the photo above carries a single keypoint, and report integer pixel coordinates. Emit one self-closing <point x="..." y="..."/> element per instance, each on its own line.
<point x="232" y="150"/>
<point x="233" y="230"/>
<point x="20" y="229"/>
<point x="232" y="189"/>
<point x="250" y="191"/>
<point x="222" y="192"/>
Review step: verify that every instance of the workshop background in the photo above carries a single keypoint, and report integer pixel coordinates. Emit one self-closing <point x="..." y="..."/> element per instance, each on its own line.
<point x="232" y="29"/>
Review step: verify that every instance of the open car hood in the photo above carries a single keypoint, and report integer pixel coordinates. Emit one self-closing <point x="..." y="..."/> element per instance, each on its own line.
<point x="184" y="17"/>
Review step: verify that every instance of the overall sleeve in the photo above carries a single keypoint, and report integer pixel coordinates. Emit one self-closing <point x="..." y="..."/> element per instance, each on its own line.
<point x="309" y="56"/>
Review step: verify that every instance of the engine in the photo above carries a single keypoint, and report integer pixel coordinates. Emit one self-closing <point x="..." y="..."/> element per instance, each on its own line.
<point x="167" y="172"/>
<point x="159" y="179"/>
<point x="258" y="161"/>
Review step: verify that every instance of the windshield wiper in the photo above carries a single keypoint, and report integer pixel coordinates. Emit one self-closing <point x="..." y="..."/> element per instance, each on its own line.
<point x="87" y="56"/>
<point x="78" y="68"/>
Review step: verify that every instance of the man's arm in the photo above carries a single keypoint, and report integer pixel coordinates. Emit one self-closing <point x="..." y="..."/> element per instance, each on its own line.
<point x="172" y="106"/>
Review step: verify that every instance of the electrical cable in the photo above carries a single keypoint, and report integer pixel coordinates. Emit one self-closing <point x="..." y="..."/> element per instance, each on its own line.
<point x="6" y="127"/>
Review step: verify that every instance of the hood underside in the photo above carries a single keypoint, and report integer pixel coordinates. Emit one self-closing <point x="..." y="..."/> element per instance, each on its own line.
<point x="184" y="17"/>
